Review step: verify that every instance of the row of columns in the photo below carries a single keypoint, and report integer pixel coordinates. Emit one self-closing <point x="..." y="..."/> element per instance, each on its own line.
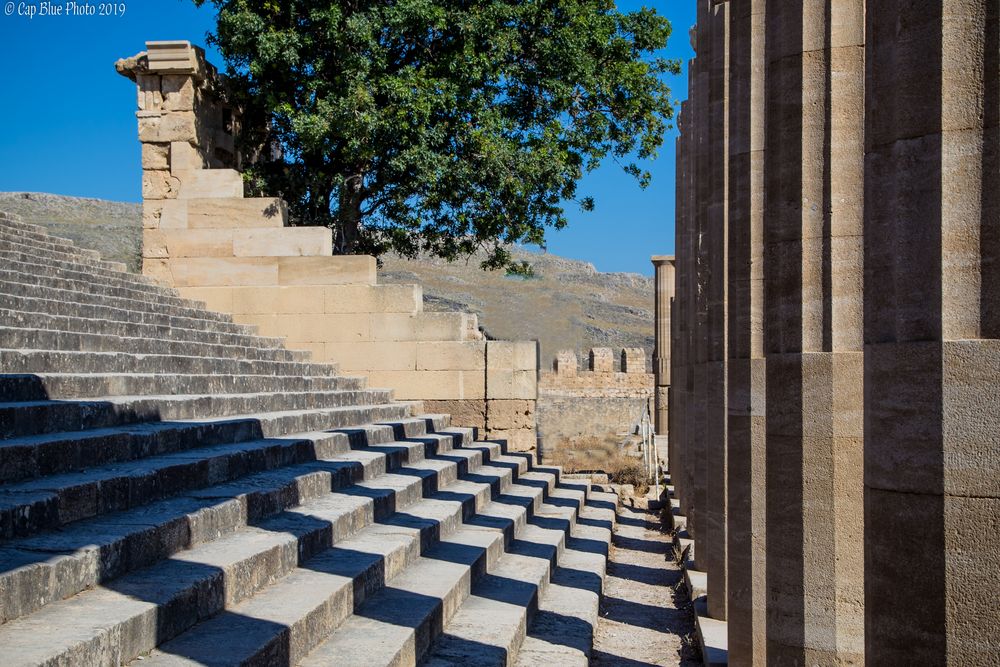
<point x="834" y="393"/>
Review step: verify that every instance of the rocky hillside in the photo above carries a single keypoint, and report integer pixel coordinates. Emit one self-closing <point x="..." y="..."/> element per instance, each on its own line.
<point x="568" y="304"/>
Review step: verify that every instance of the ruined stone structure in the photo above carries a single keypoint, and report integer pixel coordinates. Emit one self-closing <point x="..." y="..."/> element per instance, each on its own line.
<point x="597" y="403"/>
<point x="834" y="413"/>
<point x="237" y="255"/>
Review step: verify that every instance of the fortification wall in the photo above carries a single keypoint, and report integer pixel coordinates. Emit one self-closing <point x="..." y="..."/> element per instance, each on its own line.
<point x="576" y="406"/>
<point x="237" y="255"/>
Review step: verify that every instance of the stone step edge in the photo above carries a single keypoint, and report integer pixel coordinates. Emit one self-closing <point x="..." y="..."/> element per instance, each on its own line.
<point x="422" y="636"/>
<point x="378" y="455"/>
<point x="712" y="634"/>
<point x="415" y="483"/>
<point x="415" y="547"/>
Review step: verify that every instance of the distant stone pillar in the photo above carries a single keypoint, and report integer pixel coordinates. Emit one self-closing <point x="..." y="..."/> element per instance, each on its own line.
<point x="813" y="175"/>
<point x="713" y="538"/>
<point x="746" y="399"/>
<point x="663" y="266"/>
<point x="932" y="324"/>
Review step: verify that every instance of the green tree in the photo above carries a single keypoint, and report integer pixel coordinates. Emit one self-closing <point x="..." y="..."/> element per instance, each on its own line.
<point x="443" y="126"/>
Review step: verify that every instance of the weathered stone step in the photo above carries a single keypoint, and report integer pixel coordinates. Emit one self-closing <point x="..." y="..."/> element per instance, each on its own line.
<point x="39" y="387"/>
<point x="12" y="252"/>
<point x="397" y="625"/>
<point x="120" y="280"/>
<point x="52" y="247"/>
<point x="50" y="416"/>
<point x="315" y="598"/>
<point x="36" y="570"/>
<point x="70" y="297"/>
<point x="29" y="512"/>
<point x="48" y="339"/>
<point x="12" y="221"/>
<point x="562" y="632"/>
<point x="106" y="625"/>
<point x="58" y="361"/>
<point x="80" y="325"/>
<point x="96" y="312"/>
<point x="16" y="273"/>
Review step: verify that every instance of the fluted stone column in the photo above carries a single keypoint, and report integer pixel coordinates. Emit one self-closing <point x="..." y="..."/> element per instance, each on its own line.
<point x="663" y="266"/>
<point x="700" y="254"/>
<point x="746" y="399"/>
<point x="713" y="538"/>
<point x="932" y="324"/>
<point x="813" y="175"/>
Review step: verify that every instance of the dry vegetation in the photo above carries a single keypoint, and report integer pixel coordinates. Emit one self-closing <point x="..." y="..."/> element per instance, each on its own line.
<point x="590" y="454"/>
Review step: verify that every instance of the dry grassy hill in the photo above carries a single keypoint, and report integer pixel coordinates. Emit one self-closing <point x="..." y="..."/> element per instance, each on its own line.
<point x="568" y="304"/>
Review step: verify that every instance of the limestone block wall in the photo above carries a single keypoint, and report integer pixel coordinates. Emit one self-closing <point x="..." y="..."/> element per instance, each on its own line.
<point x="834" y="334"/>
<point x="600" y="402"/>
<point x="237" y="255"/>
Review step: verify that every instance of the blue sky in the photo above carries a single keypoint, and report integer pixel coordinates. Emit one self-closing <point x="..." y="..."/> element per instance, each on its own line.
<point x="68" y="125"/>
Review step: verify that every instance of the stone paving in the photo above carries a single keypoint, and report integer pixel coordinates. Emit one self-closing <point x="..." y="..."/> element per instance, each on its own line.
<point x="645" y="617"/>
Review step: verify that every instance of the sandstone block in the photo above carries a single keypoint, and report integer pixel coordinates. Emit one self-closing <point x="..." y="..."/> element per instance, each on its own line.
<point x="177" y="243"/>
<point x="565" y="363"/>
<point x="421" y="385"/>
<point x="282" y="242"/>
<point x="251" y="212"/>
<point x="469" y="413"/>
<point x="167" y="127"/>
<point x="419" y="327"/>
<point x="185" y="157"/>
<point x="510" y="384"/>
<point x="280" y="300"/>
<point x="151" y="214"/>
<point x="339" y="270"/>
<point x="215" y="298"/>
<point x="602" y="360"/>
<point x="633" y="360"/>
<point x="323" y="327"/>
<point x="172" y="213"/>
<point x="159" y="184"/>
<point x="368" y="356"/>
<point x="223" y="271"/>
<point x="404" y="299"/>
<point x="178" y="92"/>
<point x="516" y="440"/>
<point x="156" y="156"/>
<point x="207" y="183"/>
<point x="447" y="355"/>
<point x="509" y="414"/>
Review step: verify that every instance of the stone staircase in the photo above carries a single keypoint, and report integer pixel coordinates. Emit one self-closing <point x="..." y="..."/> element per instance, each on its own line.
<point x="176" y="489"/>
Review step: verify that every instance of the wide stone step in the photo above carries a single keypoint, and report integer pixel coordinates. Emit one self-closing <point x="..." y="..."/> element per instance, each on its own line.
<point x="49" y="339"/>
<point x="86" y="284"/>
<point x="27" y="509"/>
<point x="131" y="615"/>
<point x="301" y="609"/>
<point x="58" y="453"/>
<point x="39" y="387"/>
<point x="38" y="569"/>
<point x="562" y="631"/>
<point x="70" y="297"/>
<point x="24" y="264"/>
<point x="51" y="247"/>
<point x="99" y="269"/>
<point x="398" y="625"/>
<point x="96" y="312"/>
<point x="29" y="418"/>
<point x="78" y="325"/>
<point x="58" y="361"/>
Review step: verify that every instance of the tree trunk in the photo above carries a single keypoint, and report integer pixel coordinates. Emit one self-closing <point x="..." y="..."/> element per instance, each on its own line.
<point x="349" y="218"/>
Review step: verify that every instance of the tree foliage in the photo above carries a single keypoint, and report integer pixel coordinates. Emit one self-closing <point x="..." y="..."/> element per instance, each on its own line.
<point x="443" y="126"/>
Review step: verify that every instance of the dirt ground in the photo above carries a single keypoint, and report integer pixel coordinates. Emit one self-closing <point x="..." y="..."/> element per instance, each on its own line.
<point x="646" y="617"/>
